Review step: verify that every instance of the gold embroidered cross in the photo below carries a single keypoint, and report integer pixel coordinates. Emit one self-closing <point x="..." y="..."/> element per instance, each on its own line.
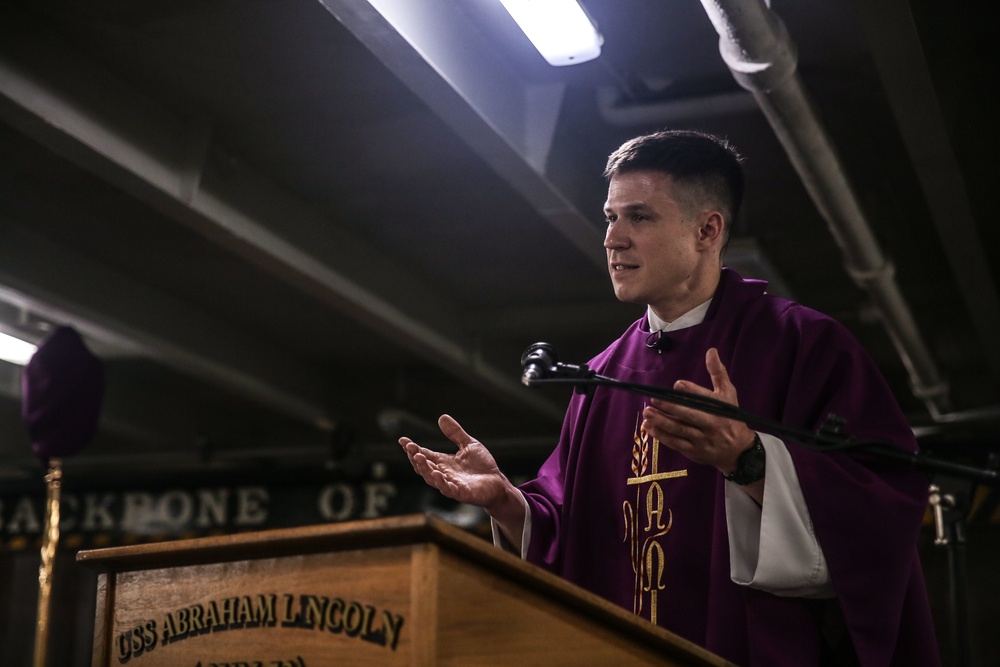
<point x="647" y="552"/>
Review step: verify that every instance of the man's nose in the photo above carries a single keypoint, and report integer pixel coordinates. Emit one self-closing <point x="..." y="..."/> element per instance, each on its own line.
<point x="614" y="237"/>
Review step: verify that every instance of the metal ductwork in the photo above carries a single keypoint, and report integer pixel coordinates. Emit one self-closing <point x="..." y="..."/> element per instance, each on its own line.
<point x="756" y="47"/>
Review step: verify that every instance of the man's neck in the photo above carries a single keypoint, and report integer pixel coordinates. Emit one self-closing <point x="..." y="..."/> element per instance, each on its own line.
<point x="703" y="291"/>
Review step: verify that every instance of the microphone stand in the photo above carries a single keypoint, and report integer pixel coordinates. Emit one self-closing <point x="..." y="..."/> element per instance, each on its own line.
<point x="829" y="438"/>
<point x="949" y="501"/>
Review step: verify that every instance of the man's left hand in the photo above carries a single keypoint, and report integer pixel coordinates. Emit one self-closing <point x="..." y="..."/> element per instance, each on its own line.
<point x="701" y="437"/>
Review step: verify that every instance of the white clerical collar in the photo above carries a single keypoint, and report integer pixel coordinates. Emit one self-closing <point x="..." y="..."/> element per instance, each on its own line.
<point x="692" y="317"/>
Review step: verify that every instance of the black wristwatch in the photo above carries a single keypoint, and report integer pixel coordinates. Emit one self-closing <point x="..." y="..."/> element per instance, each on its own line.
<point x="750" y="466"/>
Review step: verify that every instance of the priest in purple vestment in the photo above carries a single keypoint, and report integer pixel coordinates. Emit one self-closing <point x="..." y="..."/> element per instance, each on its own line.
<point x="762" y="551"/>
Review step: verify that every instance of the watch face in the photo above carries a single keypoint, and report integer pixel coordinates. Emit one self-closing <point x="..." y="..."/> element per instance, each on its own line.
<point x="755" y="466"/>
<point x="750" y="467"/>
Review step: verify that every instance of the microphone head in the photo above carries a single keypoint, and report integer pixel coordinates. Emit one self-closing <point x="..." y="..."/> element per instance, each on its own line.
<point x="539" y="353"/>
<point x="537" y="362"/>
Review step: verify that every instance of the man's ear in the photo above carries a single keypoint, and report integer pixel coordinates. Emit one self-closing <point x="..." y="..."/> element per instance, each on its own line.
<point x="711" y="227"/>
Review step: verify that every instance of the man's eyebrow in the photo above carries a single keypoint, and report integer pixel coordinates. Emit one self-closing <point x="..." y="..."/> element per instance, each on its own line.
<point x="630" y="207"/>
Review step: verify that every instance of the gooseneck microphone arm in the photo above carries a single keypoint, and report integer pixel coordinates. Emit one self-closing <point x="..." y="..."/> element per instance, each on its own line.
<point x="541" y="367"/>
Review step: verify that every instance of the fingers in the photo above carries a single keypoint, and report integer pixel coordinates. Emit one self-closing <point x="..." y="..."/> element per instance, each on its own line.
<point x="454" y="431"/>
<point x="431" y="465"/>
<point x="427" y="464"/>
<point x="666" y="418"/>
<point x="413" y="450"/>
<point x="420" y="457"/>
<point x="722" y="387"/>
<point x="673" y="423"/>
<point x="717" y="371"/>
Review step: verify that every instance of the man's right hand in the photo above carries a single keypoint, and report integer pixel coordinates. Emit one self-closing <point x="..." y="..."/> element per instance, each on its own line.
<point x="469" y="476"/>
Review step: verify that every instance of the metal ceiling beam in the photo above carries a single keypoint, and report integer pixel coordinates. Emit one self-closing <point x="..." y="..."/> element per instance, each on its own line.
<point x="77" y="109"/>
<point x="135" y="320"/>
<point x="440" y="55"/>
<point x="760" y="54"/>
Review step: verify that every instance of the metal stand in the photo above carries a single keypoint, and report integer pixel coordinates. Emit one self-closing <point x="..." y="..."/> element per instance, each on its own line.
<point x="949" y="532"/>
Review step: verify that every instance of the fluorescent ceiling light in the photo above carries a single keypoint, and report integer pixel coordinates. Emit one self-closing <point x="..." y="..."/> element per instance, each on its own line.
<point x="560" y="29"/>
<point x="15" y="350"/>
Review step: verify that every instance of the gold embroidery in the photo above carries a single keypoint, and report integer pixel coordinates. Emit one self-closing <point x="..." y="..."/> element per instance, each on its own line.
<point x="654" y="555"/>
<point x="647" y="555"/>
<point x="658" y="476"/>
<point x="654" y="507"/>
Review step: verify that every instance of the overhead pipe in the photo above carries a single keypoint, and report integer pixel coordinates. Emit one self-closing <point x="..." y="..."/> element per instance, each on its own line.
<point x="762" y="57"/>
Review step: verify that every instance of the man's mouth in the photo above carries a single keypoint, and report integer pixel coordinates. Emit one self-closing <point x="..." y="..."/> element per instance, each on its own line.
<point x="620" y="266"/>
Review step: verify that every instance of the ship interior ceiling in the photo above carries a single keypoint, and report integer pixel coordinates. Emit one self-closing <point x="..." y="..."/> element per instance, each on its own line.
<point x="294" y="231"/>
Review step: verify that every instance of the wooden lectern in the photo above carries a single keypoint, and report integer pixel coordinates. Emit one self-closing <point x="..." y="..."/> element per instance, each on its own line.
<point x="411" y="590"/>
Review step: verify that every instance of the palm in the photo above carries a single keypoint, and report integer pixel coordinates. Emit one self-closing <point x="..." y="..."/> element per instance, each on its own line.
<point x="469" y="476"/>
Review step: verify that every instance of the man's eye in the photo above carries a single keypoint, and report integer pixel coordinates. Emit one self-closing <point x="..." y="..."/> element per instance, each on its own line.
<point x="608" y="219"/>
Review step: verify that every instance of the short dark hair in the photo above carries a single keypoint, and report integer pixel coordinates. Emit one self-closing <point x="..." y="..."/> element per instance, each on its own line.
<point x="709" y="165"/>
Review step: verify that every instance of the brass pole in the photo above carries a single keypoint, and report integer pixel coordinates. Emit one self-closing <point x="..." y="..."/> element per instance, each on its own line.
<point x="50" y="540"/>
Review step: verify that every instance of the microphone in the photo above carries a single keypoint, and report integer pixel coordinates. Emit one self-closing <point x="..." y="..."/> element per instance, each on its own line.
<point x="657" y="341"/>
<point x="538" y="362"/>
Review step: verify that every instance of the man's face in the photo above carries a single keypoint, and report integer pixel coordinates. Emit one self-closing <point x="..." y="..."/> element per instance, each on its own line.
<point x="657" y="249"/>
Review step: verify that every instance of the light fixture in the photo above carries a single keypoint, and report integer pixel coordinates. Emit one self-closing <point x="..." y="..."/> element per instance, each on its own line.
<point x="560" y="29"/>
<point x="15" y="350"/>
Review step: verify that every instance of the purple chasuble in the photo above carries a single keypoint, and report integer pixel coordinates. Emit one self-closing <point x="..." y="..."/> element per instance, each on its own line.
<point x="629" y="519"/>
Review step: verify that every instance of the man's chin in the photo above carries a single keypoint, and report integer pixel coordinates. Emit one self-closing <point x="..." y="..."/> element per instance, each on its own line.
<point x="627" y="296"/>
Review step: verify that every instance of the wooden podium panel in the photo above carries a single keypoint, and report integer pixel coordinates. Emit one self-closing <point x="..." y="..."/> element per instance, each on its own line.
<point x="411" y="591"/>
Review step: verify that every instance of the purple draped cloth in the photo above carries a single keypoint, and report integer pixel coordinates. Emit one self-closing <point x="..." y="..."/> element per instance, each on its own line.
<point x="631" y="520"/>
<point x="62" y="390"/>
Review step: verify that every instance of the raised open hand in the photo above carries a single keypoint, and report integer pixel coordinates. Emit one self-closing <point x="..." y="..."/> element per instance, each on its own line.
<point x="469" y="476"/>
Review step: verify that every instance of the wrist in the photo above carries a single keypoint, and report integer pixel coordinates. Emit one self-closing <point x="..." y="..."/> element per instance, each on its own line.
<point x="509" y="514"/>
<point x="509" y="508"/>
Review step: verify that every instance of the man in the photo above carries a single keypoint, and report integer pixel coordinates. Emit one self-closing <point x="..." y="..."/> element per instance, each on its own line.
<point x="765" y="552"/>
